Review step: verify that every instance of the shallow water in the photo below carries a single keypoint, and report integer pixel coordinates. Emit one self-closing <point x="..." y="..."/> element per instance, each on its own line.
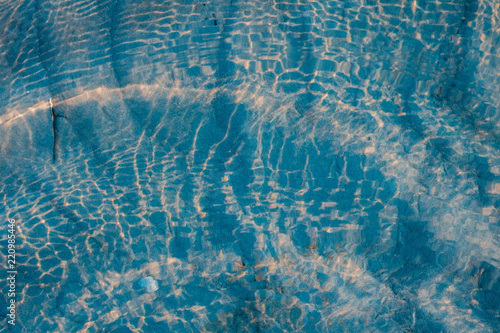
<point x="237" y="166"/>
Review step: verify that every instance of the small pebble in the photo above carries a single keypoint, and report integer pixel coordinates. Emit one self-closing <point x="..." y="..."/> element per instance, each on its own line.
<point x="150" y="284"/>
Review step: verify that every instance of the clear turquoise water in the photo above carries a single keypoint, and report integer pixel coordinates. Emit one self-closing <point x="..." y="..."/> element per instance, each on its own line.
<point x="256" y="166"/>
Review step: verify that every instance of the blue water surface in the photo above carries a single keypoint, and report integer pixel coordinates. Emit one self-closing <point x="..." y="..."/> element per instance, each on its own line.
<point x="251" y="166"/>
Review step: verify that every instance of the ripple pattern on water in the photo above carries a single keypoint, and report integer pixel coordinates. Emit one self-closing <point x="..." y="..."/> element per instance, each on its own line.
<point x="272" y="166"/>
